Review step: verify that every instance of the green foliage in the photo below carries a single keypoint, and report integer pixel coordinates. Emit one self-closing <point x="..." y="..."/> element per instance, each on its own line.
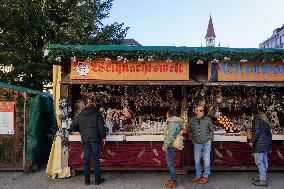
<point x="26" y="26"/>
<point x="5" y="150"/>
<point x="191" y="54"/>
<point x="20" y="124"/>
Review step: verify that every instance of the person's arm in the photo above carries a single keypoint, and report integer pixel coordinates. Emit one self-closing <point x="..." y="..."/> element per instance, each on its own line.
<point x="190" y="129"/>
<point x="74" y="127"/>
<point x="102" y="128"/>
<point x="255" y="130"/>
<point x="211" y="130"/>
<point x="270" y="139"/>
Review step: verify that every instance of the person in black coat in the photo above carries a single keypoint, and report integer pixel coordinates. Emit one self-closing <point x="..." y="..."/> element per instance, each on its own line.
<point x="261" y="143"/>
<point x="90" y="124"/>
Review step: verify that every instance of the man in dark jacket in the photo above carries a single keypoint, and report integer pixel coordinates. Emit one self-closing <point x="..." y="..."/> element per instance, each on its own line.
<point x="90" y="124"/>
<point x="201" y="132"/>
<point x="261" y="142"/>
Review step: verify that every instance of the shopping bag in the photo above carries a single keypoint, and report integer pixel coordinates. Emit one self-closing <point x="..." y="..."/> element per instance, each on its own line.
<point x="178" y="142"/>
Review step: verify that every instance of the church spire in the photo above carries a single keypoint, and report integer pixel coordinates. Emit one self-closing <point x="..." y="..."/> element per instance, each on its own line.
<point x="210" y="35"/>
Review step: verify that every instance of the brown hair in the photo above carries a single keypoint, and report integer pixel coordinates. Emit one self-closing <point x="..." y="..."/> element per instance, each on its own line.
<point x="171" y="112"/>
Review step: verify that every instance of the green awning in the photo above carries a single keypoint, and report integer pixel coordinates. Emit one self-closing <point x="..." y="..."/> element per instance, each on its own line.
<point x="92" y="48"/>
<point x="23" y="89"/>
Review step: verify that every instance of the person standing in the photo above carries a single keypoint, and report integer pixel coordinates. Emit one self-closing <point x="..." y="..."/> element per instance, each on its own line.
<point x="261" y="143"/>
<point x="90" y="124"/>
<point x="201" y="132"/>
<point x="174" y="125"/>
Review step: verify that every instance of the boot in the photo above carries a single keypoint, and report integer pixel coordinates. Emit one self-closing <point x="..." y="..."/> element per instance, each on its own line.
<point x="99" y="180"/>
<point x="87" y="180"/>
<point x="171" y="184"/>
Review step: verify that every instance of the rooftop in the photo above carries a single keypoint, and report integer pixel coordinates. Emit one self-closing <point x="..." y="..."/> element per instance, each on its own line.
<point x="210" y="29"/>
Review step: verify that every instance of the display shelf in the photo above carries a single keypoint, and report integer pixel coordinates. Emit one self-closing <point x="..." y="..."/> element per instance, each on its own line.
<point x="277" y="137"/>
<point x="230" y="138"/>
<point x="153" y="138"/>
<point x="145" y="138"/>
<point x="109" y="138"/>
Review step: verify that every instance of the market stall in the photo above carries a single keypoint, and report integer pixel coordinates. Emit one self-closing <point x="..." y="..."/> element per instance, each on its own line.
<point x="27" y="127"/>
<point x="231" y="93"/>
<point x="134" y="86"/>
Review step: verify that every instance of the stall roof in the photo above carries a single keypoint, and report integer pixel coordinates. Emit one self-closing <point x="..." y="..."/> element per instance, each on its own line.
<point x="91" y="48"/>
<point x="23" y="89"/>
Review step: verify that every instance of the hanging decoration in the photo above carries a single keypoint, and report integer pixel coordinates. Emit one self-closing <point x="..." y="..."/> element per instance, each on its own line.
<point x="232" y="109"/>
<point x="65" y="116"/>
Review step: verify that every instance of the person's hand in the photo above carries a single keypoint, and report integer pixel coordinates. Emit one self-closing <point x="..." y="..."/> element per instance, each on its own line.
<point x="104" y="142"/>
<point x="250" y="144"/>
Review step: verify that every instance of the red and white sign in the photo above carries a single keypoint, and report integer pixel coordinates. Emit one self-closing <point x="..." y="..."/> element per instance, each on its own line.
<point x="133" y="70"/>
<point x="7" y="117"/>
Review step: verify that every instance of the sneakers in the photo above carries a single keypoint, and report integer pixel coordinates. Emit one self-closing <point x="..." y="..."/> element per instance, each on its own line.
<point x="255" y="179"/>
<point x="203" y="180"/>
<point x="196" y="179"/>
<point x="171" y="184"/>
<point x="260" y="183"/>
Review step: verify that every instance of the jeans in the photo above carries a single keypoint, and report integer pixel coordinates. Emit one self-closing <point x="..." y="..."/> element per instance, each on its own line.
<point x="171" y="152"/>
<point x="95" y="149"/>
<point x="262" y="164"/>
<point x="202" y="150"/>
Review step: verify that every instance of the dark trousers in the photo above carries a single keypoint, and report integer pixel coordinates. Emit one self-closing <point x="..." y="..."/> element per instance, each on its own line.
<point x="95" y="149"/>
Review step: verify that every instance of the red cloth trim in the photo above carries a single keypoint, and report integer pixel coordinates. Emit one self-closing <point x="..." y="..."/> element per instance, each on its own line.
<point x="126" y="155"/>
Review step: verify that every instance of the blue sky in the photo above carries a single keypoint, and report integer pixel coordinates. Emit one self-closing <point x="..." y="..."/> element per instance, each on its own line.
<point x="237" y="23"/>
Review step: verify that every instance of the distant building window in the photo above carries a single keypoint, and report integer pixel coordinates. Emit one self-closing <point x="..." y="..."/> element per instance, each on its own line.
<point x="282" y="39"/>
<point x="278" y="41"/>
<point x="273" y="44"/>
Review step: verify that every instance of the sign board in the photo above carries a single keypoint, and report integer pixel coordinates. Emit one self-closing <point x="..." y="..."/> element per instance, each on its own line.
<point x="246" y="71"/>
<point x="132" y="70"/>
<point x="6" y="117"/>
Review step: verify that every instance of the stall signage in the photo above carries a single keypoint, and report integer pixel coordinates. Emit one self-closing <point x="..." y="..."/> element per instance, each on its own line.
<point x="132" y="70"/>
<point x="6" y="117"/>
<point x="246" y="71"/>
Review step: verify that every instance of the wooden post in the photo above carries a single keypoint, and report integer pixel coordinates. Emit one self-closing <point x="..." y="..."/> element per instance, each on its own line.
<point x="24" y="145"/>
<point x="184" y="150"/>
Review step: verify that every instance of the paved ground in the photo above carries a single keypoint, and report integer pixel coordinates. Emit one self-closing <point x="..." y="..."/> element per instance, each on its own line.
<point x="136" y="180"/>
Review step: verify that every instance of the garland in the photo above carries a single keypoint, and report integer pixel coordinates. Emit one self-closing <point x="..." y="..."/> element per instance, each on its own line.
<point x="5" y="150"/>
<point x="56" y="54"/>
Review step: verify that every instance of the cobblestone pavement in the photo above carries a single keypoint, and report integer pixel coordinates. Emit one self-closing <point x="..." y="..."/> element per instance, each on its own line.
<point x="136" y="180"/>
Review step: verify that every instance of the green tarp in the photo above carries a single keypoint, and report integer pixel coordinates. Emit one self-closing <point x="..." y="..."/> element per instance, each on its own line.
<point x="41" y="129"/>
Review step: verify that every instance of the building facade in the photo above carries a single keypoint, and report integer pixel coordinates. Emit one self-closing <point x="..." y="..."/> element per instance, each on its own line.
<point x="276" y="41"/>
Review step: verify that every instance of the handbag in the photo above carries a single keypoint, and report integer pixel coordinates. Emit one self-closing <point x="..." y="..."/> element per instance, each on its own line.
<point x="178" y="142"/>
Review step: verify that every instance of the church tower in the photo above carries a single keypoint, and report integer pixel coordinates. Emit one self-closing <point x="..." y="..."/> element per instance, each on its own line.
<point x="210" y="36"/>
